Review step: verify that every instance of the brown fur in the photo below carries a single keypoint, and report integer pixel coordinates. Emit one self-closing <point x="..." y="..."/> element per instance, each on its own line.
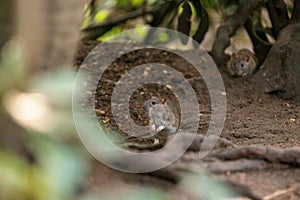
<point x="243" y="63"/>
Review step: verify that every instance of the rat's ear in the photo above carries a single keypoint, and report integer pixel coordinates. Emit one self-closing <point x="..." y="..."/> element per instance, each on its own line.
<point x="246" y="57"/>
<point x="233" y="55"/>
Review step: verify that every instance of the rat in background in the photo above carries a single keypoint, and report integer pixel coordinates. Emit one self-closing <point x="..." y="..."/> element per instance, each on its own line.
<point x="243" y="63"/>
<point x="160" y="115"/>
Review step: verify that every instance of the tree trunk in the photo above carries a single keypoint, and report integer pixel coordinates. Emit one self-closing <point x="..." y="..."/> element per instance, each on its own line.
<point x="7" y="21"/>
<point x="49" y="31"/>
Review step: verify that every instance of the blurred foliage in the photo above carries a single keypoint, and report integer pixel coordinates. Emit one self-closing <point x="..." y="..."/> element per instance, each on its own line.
<point x="57" y="173"/>
<point x="105" y="18"/>
<point x="163" y="13"/>
<point x="12" y="73"/>
<point x="137" y="194"/>
<point x="57" y="167"/>
<point x="203" y="185"/>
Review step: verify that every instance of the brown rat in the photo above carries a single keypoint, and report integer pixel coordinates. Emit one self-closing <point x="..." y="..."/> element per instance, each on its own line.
<point x="243" y="63"/>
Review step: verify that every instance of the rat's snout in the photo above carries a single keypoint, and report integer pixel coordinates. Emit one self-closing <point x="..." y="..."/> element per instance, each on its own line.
<point x="238" y="72"/>
<point x="146" y="106"/>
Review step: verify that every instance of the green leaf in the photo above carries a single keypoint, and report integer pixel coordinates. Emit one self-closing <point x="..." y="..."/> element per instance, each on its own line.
<point x="137" y="193"/>
<point x="115" y="30"/>
<point x="11" y="66"/>
<point x="207" y="187"/>
<point x="136" y="3"/>
<point x="101" y="16"/>
<point x="210" y="4"/>
<point x="15" y="173"/>
<point x="62" y="165"/>
<point x="163" y="37"/>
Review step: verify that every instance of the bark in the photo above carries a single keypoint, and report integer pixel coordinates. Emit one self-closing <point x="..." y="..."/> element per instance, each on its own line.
<point x="49" y="31"/>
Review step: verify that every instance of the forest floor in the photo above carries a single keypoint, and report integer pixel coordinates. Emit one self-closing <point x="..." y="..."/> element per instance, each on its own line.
<point x="253" y="118"/>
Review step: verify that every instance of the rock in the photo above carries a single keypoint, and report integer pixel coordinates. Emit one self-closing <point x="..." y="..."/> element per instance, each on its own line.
<point x="281" y="69"/>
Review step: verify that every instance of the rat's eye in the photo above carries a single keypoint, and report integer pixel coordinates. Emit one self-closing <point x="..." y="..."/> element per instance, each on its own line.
<point x="153" y="103"/>
<point x="242" y="65"/>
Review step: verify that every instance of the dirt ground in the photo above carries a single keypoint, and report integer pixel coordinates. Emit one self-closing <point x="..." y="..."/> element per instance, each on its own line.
<point x="253" y="118"/>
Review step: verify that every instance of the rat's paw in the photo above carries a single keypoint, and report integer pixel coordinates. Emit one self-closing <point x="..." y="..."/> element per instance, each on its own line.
<point x="153" y="127"/>
<point x="160" y="128"/>
<point x="172" y="129"/>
